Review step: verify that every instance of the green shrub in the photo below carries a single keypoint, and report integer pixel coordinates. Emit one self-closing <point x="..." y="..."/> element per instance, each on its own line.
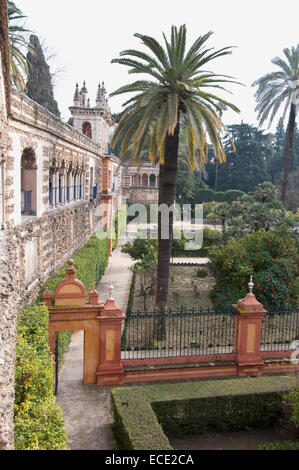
<point x="38" y="418"/>
<point x="221" y="413"/>
<point x="204" y="195"/>
<point x="193" y="407"/>
<point x="232" y="195"/>
<point x="269" y="256"/>
<point x="208" y="207"/>
<point x="292" y="400"/>
<point x="284" y="445"/>
<point x="220" y="196"/>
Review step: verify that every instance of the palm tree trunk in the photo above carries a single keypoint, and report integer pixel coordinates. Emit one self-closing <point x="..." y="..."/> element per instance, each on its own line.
<point x="288" y="152"/>
<point x="167" y="192"/>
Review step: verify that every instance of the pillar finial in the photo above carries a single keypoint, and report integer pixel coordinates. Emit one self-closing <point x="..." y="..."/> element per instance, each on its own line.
<point x="111" y="291"/>
<point x="70" y="270"/>
<point x="251" y="285"/>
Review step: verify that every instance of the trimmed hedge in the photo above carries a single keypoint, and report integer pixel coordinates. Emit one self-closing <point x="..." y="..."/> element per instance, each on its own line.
<point x="38" y="418"/>
<point x="208" y="195"/>
<point x="142" y="413"/>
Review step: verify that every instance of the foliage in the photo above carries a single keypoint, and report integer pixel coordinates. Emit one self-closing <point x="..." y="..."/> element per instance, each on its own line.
<point x="269" y="256"/>
<point x="193" y="407"/>
<point x="208" y="207"/>
<point x="179" y="88"/>
<point x="285" y="445"/>
<point x="39" y="86"/>
<point x="247" y="162"/>
<point x="38" y="418"/>
<point x="17" y="44"/>
<point x="139" y="248"/>
<point x="249" y="213"/>
<point x="277" y="89"/>
<point x="291" y="399"/>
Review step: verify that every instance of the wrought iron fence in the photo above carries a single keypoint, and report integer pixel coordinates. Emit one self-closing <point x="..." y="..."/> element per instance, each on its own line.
<point x="180" y="332"/>
<point x="280" y="328"/>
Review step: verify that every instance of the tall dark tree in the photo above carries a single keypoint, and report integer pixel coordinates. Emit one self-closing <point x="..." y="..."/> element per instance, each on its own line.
<point x="247" y="161"/>
<point x="275" y="89"/>
<point x="39" y="85"/>
<point x="180" y="89"/>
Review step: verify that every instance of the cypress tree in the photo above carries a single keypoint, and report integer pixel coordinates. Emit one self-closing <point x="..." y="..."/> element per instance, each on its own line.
<point x="39" y="85"/>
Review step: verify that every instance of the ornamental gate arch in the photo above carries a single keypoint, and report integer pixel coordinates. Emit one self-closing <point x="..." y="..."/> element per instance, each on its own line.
<point x="72" y="309"/>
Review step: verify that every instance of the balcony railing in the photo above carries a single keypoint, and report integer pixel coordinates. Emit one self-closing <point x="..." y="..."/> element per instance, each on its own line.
<point x="26" y="202"/>
<point x="63" y="194"/>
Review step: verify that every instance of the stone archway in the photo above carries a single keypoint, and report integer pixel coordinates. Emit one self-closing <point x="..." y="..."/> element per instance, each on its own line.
<point x="70" y="310"/>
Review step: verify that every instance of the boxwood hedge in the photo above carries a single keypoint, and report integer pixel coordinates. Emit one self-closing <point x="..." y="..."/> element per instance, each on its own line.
<point x="144" y="413"/>
<point x="38" y="418"/>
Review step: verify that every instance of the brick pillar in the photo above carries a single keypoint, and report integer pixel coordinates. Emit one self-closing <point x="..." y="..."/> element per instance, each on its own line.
<point x="110" y="370"/>
<point x="250" y="313"/>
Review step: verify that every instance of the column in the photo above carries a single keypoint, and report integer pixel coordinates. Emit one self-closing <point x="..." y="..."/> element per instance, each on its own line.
<point x="250" y="313"/>
<point x="110" y="370"/>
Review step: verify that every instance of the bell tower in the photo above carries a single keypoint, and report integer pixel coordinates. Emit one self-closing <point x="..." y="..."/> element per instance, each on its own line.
<point x="94" y="122"/>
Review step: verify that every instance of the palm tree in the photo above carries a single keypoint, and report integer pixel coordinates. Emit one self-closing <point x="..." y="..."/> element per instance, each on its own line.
<point x="277" y="88"/>
<point x="177" y="92"/>
<point x="17" y="41"/>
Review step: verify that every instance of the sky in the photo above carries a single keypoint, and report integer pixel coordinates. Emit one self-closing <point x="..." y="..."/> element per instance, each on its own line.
<point x="86" y="36"/>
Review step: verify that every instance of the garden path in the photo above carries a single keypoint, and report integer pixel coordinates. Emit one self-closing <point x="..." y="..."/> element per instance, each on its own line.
<point x="87" y="409"/>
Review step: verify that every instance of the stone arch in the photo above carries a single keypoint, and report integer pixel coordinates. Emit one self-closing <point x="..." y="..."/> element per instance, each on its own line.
<point x="28" y="182"/>
<point x="86" y="129"/>
<point x="144" y="179"/>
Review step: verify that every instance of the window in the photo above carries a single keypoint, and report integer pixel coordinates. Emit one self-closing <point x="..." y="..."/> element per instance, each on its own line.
<point x="86" y="129"/>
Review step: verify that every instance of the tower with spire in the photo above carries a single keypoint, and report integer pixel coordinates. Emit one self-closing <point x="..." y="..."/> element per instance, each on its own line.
<point x="95" y="121"/>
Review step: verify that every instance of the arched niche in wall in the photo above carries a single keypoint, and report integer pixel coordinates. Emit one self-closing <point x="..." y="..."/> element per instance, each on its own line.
<point x="152" y="180"/>
<point x="86" y="129"/>
<point x="28" y="182"/>
<point x="144" y="179"/>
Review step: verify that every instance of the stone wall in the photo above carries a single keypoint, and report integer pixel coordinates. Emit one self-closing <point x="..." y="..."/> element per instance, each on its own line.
<point x="145" y="195"/>
<point x="7" y="317"/>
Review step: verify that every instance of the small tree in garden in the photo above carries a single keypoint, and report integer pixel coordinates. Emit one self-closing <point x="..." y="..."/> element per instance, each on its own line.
<point x="269" y="256"/>
<point x="145" y="252"/>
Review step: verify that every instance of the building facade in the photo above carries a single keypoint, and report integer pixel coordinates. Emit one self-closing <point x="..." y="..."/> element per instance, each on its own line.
<point x="52" y="182"/>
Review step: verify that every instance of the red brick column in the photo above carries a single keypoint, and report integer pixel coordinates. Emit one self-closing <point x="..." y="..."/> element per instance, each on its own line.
<point x="110" y="370"/>
<point x="250" y="313"/>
